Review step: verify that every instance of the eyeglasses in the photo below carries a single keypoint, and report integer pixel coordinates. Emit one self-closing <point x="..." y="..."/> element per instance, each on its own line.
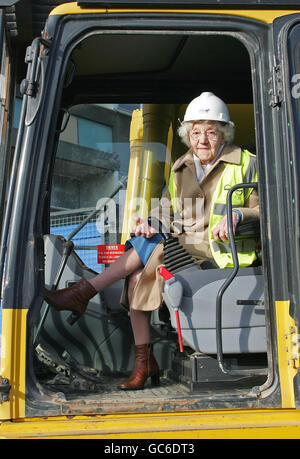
<point x="211" y="135"/>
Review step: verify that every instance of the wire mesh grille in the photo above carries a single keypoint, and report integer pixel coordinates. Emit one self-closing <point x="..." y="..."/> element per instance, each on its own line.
<point x="86" y="240"/>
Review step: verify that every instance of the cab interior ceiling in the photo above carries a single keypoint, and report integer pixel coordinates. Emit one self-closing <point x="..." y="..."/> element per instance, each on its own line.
<point x="154" y="68"/>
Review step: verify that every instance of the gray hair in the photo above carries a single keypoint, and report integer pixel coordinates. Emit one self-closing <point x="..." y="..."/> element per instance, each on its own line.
<point x="227" y="130"/>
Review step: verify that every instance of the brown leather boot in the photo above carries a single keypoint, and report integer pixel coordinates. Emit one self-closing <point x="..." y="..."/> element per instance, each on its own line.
<point x="74" y="298"/>
<point x="145" y="366"/>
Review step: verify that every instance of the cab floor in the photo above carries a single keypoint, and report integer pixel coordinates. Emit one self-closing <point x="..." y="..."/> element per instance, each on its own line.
<point x="108" y="388"/>
<point x="107" y="398"/>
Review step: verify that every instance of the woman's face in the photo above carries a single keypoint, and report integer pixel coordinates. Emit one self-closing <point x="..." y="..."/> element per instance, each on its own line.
<point x="205" y="140"/>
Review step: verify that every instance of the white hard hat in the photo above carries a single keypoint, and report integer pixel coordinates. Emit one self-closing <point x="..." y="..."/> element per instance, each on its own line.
<point x="207" y="106"/>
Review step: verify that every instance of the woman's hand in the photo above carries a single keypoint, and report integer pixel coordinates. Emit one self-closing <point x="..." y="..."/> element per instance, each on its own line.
<point x="142" y="228"/>
<point x="220" y="231"/>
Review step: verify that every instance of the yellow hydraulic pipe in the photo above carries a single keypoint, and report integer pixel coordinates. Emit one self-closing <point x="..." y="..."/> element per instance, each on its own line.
<point x="156" y="119"/>
<point x="136" y="140"/>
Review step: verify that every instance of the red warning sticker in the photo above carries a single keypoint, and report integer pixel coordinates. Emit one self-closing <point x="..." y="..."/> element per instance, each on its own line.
<point x="108" y="253"/>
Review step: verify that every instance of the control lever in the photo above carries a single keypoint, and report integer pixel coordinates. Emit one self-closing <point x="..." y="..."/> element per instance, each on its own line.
<point x="158" y="226"/>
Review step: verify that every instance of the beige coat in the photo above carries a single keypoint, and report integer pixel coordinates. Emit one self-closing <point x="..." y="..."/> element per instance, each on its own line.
<point x="191" y="231"/>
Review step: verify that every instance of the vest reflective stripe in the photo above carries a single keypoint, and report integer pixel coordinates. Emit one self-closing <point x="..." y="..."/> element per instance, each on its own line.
<point x="172" y="187"/>
<point x="251" y="173"/>
<point x="232" y="175"/>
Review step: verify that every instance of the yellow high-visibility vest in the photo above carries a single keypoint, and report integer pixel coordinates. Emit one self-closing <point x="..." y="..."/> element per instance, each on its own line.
<point x="233" y="174"/>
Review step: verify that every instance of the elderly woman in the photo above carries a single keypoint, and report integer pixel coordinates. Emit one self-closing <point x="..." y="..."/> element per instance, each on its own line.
<point x="200" y="179"/>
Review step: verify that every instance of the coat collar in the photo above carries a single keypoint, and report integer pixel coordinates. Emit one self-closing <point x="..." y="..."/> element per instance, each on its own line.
<point x="230" y="154"/>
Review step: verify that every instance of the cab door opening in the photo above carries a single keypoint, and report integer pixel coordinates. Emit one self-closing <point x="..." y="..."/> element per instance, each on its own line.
<point x="123" y="109"/>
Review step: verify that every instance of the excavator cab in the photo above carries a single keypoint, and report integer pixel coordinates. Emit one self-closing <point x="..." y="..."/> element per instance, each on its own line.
<point x="98" y="136"/>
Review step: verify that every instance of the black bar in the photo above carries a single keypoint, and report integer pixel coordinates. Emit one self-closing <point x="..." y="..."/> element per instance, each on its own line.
<point x="250" y="302"/>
